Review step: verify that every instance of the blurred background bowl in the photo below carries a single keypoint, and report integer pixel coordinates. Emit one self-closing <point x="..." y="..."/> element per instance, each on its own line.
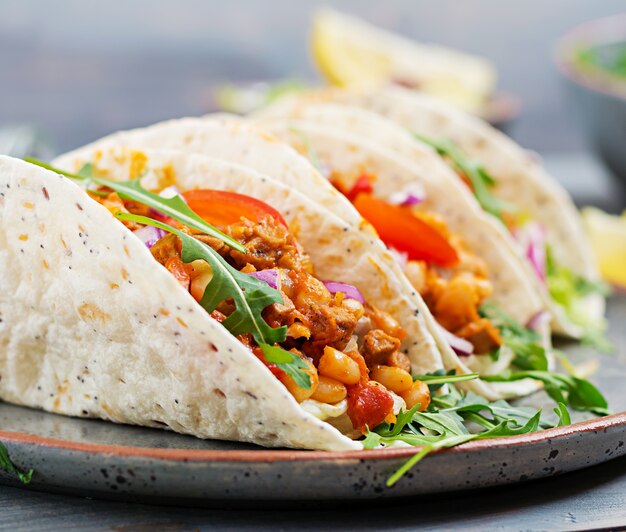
<point x="598" y="93"/>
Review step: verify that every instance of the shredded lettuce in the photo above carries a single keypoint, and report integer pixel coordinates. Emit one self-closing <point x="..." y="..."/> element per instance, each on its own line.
<point x="570" y="291"/>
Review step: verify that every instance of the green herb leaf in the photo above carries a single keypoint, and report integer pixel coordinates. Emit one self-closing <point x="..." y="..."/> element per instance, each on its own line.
<point x="10" y="467"/>
<point x="441" y="377"/>
<point x="291" y="364"/>
<point x="249" y="294"/>
<point x="504" y="428"/>
<point x="501" y="410"/>
<point x="450" y="441"/>
<point x="444" y="424"/>
<point x="604" y="60"/>
<point x="372" y="440"/>
<point x="525" y="343"/>
<point x="478" y="176"/>
<point x="578" y="393"/>
<point x="175" y="207"/>
<point x="564" y="418"/>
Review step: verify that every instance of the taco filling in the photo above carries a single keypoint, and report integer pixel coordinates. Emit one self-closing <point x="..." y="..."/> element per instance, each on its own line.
<point x="453" y="281"/>
<point x="357" y="375"/>
<point x="566" y="288"/>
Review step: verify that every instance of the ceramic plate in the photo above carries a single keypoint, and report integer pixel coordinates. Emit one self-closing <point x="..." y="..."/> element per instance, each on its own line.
<point x="101" y="459"/>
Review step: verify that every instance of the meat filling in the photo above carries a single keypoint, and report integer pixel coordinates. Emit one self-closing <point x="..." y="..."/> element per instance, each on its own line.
<point x="340" y="339"/>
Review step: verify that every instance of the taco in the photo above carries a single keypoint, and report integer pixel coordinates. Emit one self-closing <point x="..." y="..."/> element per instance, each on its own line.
<point x="222" y="135"/>
<point x="151" y="321"/>
<point x="488" y="317"/>
<point x="508" y="182"/>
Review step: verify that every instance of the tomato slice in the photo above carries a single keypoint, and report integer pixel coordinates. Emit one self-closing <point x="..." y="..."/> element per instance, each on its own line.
<point x="400" y="229"/>
<point x="219" y="207"/>
<point x="363" y="185"/>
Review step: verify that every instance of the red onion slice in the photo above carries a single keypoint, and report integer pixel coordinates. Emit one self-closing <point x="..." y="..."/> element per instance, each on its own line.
<point x="267" y="276"/>
<point x="149" y="235"/>
<point x="532" y="237"/>
<point x="351" y="292"/>
<point x="460" y="346"/>
<point x="538" y="320"/>
<point x="412" y="194"/>
<point x="536" y="254"/>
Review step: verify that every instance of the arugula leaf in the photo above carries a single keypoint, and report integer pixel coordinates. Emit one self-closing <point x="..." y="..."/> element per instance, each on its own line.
<point x="450" y="436"/>
<point x="458" y="417"/>
<point x="564" y="418"/>
<point x="250" y="296"/>
<point x="525" y="343"/>
<point x="527" y="355"/>
<point x="445" y="426"/>
<point x="504" y="429"/>
<point x="578" y="393"/>
<point x="175" y="207"/>
<point x="441" y="377"/>
<point x="506" y="324"/>
<point x="501" y="410"/>
<point x="450" y="441"/>
<point x="291" y="364"/>
<point x="478" y="176"/>
<point x="10" y="467"/>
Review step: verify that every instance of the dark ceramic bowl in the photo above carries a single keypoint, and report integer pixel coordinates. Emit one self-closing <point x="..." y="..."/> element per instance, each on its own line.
<point x="599" y="96"/>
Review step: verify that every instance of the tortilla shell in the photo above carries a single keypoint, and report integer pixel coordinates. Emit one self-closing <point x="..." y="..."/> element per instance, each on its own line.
<point x="520" y="178"/>
<point x="92" y="326"/>
<point x="445" y="196"/>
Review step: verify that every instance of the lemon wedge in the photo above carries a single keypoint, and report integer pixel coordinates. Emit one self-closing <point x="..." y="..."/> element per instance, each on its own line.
<point x="350" y="53"/>
<point x="608" y="239"/>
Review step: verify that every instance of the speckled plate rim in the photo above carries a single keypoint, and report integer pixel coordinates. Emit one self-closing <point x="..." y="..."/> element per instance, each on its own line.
<point x="280" y="455"/>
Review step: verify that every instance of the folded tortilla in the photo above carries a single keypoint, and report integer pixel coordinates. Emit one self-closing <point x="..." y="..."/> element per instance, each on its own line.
<point x="229" y="138"/>
<point x="92" y="326"/>
<point x="520" y="179"/>
<point x="445" y="195"/>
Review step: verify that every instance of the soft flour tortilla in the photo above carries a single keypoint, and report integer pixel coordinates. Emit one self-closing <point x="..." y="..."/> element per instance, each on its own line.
<point x="228" y="137"/>
<point x="520" y="178"/>
<point x="92" y="326"/>
<point x="444" y="195"/>
<point x="337" y="252"/>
